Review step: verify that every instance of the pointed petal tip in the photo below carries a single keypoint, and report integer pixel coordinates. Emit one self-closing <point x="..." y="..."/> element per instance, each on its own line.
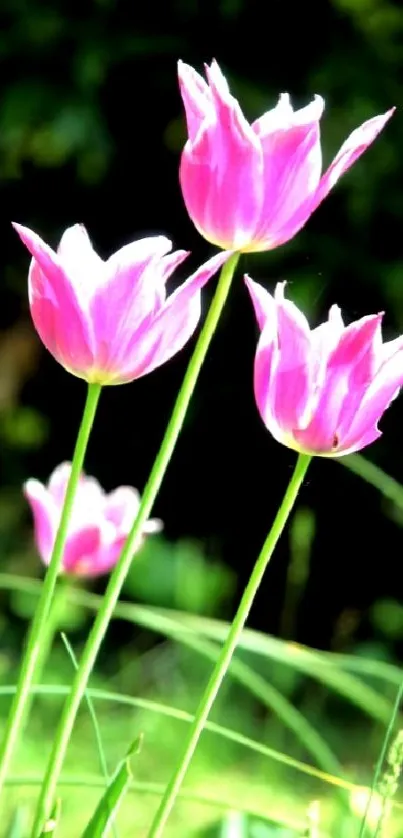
<point x="31" y="488"/>
<point x="279" y="290"/>
<point x="20" y="229"/>
<point x="183" y="69"/>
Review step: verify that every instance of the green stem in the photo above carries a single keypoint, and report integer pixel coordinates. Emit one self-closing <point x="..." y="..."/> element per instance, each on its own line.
<point x="47" y="639"/>
<point x="38" y="630"/>
<point x="119" y="574"/>
<point x="229" y="647"/>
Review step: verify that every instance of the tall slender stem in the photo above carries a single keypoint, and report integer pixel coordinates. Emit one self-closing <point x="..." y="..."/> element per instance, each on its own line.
<point x="227" y="651"/>
<point x="38" y="630"/>
<point x="119" y="574"/>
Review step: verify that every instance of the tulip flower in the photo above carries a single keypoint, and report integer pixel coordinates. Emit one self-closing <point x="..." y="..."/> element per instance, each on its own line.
<point x="98" y="526"/>
<point x="322" y="391"/>
<point x="110" y="322"/>
<point x="252" y="187"/>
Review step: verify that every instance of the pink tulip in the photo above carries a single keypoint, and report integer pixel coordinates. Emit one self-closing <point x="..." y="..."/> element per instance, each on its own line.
<point x="322" y="391"/>
<point x="252" y="187"/>
<point x="110" y="321"/>
<point x="99" y="523"/>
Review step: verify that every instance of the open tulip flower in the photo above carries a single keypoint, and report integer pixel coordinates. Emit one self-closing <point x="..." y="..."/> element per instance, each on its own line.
<point x="110" y="322"/>
<point x="98" y="527"/>
<point x="322" y="391"/>
<point x="252" y="187"/>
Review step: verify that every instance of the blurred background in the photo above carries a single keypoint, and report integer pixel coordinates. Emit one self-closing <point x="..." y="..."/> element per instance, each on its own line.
<point x="91" y="131"/>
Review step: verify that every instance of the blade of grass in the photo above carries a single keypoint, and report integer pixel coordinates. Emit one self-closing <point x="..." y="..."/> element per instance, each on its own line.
<point x="86" y="782"/>
<point x="175" y="624"/>
<point x="379" y="479"/>
<point x="289" y="715"/>
<point x="52" y="822"/>
<point x="381" y="759"/>
<point x="104" y="817"/>
<point x="91" y="710"/>
<point x="298" y="657"/>
<point x="58" y="690"/>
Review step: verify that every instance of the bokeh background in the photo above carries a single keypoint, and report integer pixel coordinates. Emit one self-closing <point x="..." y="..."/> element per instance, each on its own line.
<point x="91" y="130"/>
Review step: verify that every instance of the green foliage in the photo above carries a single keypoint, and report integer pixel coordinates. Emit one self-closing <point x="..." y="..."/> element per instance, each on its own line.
<point x="106" y="812"/>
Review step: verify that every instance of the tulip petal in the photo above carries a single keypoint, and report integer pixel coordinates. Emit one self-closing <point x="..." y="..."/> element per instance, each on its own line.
<point x="196" y="98"/>
<point x="134" y="291"/>
<point x="80" y="549"/>
<point x="45" y="514"/>
<point x="58" y="481"/>
<point x="292" y="168"/>
<point x="383" y="389"/>
<point x="56" y="311"/>
<point x="263" y="302"/>
<point x="265" y="361"/>
<point x="81" y="263"/>
<point x="62" y="327"/>
<point x="173" y="324"/>
<point x="121" y="508"/>
<point x="349" y="370"/>
<point x="221" y="171"/>
<point x="292" y="378"/>
<point x="351" y="150"/>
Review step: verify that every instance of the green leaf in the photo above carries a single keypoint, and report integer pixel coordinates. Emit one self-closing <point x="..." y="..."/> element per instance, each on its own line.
<point x="104" y="816"/>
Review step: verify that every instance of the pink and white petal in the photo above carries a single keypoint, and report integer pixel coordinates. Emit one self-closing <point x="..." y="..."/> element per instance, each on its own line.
<point x="362" y="349"/>
<point x="355" y="349"/>
<point x="265" y="362"/>
<point x="310" y="113"/>
<point x="62" y="325"/>
<point x="283" y="117"/>
<point x="221" y="172"/>
<point x="153" y="525"/>
<point x="46" y="517"/>
<point x="326" y="336"/>
<point x="135" y="257"/>
<point x="89" y="503"/>
<point x="279" y="118"/>
<point x="121" y="508"/>
<point x="319" y="435"/>
<point x="81" y="549"/>
<point x="292" y="384"/>
<point x="354" y="361"/>
<point x="107" y="556"/>
<point x="168" y="264"/>
<point x="351" y="150"/>
<point x="341" y="386"/>
<point x="367" y="438"/>
<point x="196" y="98"/>
<point x="222" y="186"/>
<point x="384" y="388"/>
<point x="81" y="263"/>
<point x="57" y="483"/>
<point x="46" y="258"/>
<point x="262" y="301"/>
<point x="292" y="169"/>
<point x="389" y="348"/>
<point x="168" y="332"/>
<point x="133" y="292"/>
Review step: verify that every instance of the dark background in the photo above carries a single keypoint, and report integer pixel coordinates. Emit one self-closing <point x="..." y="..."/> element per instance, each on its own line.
<point x="91" y="130"/>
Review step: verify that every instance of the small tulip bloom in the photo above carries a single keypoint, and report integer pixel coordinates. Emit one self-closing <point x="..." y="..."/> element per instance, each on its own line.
<point x="322" y="391"/>
<point x="98" y="527"/>
<point x="252" y="187"/>
<point x="110" y="322"/>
